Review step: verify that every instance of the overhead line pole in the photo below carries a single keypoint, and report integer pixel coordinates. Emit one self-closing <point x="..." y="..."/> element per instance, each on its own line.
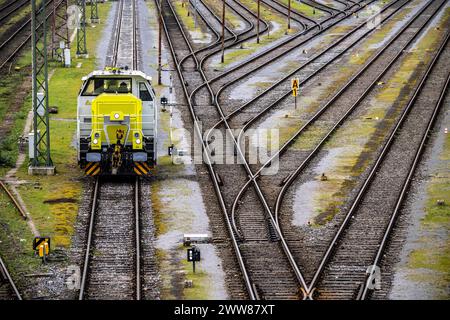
<point x="223" y="32"/>
<point x="289" y="15"/>
<point x="41" y="161"/>
<point x="94" y="11"/>
<point x="160" y="42"/>
<point x="81" y="30"/>
<point x="257" y="25"/>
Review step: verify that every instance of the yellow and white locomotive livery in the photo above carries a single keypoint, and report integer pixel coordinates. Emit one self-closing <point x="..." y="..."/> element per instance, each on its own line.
<point x="116" y="123"/>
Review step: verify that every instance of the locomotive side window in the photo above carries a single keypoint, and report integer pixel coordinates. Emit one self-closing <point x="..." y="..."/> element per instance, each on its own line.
<point x="97" y="86"/>
<point x="144" y="94"/>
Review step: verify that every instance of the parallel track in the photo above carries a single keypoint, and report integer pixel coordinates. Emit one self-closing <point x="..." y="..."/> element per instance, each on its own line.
<point x="10" y="8"/>
<point x="292" y="176"/>
<point x="276" y="290"/>
<point x="23" y="31"/>
<point x="362" y="237"/>
<point x="253" y="291"/>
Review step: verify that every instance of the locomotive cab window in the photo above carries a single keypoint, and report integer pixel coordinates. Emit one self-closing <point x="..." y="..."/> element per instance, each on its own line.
<point x="97" y="86"/>
<point x="144" y="94"/>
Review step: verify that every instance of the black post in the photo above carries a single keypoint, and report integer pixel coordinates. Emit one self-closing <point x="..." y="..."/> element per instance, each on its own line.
<point x="223" y="32"/>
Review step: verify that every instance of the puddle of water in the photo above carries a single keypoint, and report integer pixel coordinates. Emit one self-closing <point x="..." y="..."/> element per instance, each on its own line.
<point x="303" y="204"/>
<point x="198" y="36"/>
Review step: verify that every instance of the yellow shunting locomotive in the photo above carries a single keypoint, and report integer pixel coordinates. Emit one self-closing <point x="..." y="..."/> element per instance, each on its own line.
<point x="117" y="123"/>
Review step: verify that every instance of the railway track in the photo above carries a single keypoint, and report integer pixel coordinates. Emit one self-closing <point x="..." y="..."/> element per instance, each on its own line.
<point x="8" y="289"/>
<point x="291" y="176"/>
<point x="306" y="71"/>
<point x="19" y="38"/>
<point x="293" y="291"/>
<point x="116" y="266"/>
<point x="360" y="80"/>
<point x="360" y="241"/>
<point x="10" y="8"/>
<point x="254" y="291"/>
<point x="241" y="71"/>
<point x="112" y="264"/>
<point x="286" y="287"/>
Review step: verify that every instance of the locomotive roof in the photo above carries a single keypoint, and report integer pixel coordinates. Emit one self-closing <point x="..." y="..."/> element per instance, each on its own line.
<point x="117" y="73"/>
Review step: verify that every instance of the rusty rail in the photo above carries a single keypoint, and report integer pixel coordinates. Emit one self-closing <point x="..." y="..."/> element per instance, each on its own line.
<point x="14" y="200"/>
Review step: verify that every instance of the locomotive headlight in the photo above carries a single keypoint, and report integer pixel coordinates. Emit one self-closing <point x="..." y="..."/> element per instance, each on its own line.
<point x="138" y="141"/>
<point x="95" y="141"/>
<point x="97" y="135"/>
<point x="116" y="116"/>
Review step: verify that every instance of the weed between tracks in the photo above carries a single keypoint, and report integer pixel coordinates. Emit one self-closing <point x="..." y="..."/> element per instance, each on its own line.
<point x="305" y="9"/>
<point x="353" y="146"/>
<point x="433" y="252"/>
<point x="192" y="22"/>
<point x="277" y="25"/>
<point x="233" y="21"/>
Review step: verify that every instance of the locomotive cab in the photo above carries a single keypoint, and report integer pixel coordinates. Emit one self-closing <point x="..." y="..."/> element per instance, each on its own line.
<point x="117" y="117"/>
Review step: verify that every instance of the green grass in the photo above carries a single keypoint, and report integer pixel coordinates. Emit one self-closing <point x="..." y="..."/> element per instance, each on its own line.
<point x="434" y="252"/>
<point x="249" y="48"/>
<point x="200" y="280"/>
<point x="305" y="9"/>
<point x="15" y="241"/>
<point x="57" y="217"/>
<point x="16" y="17"/>
<point x="231" y="19"/>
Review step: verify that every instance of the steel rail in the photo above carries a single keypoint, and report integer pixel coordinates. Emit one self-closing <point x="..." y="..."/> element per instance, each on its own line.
<point x="276" y="222"/>
<point x="260" y="195"/>
<point x="273" y="4"/>
<point x="19" y="208"/>
<point x="138" y="237"/>
<point x="311" y="76"/>
<point x="10" y="280"/>
<point x="233" y="36"/>
<point x="246" y="185"/>
<point x="137" y="182"/>
<point x="330" y="8"/>
<point x="367" y="182"/>
<point x="237" y="67"/>
<point x="407" y="182"/>
<point x="89" y="240"/>
<point x="9" y="4"/>
<point x="327" y="105"/>
<point x="117" y="34"/>
<point x="247" y="168"/>
<point x="8" y="13"/>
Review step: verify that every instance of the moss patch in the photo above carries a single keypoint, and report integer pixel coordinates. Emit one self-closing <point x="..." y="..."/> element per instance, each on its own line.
<point x="304" y="9"/>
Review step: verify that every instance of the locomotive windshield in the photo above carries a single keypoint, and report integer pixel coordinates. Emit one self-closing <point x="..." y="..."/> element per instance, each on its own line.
<point x="97" y="86"/>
